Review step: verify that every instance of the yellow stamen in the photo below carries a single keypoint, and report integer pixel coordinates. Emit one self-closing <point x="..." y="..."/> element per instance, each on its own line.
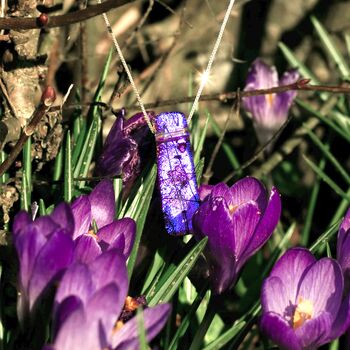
<point x="232" y="208"/>
<point x="92" y="233"/>
<point x="303" y="312"/>
<point x="119" y="324"/>
<point x="131" y="304"/>
<point x="269" y="99"/>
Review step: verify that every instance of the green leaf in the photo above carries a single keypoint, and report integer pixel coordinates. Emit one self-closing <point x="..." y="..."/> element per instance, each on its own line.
<point x="296" y="63"/>
<point x="68" y="171"/>
<point x="138" y="211"/>
<point x="311" y="207"/>
<point x="4" y="177"/>
<point x="141" y="329"/>
<point x="324" y="119"/>
<point x="199" y="169"/>
<point x="58" y="166"/>
<point x="42" y="207"/>
<point x="170" y="284"/>
<point x="24" y="192"/>
<point x="83" y="164"/>
<point x="325" y="237"/>
<point x="331" y="48"/>
<point x="328" y="155"/>
<point x="326" y="179"/>
<point x="240" y="326"/>
<point x="79" y="139"/>
<point x="118" y="194"/>
<point x="27" y="171"/>
<point x="187" y="320"/>
<point x="199" y="146"/>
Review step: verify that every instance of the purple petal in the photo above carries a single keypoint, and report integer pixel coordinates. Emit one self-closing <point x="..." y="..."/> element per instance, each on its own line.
<point x="290" y="268"/>
<point x="77" y="332"/>
<point x="278" y="329"/>
<point x="284" y="100"/>
<point x="343" y="242"/>
<point x="204" y="191"/>
<point x="221" y="245"/>
<point x="154" y="320"/>
<point x="45" y="225"/>
<point x="28" y="247"/>
<point x="115" y="133"/>
<point x="63" y="216"/>
<point x="125" y="227"/>
<point x="342" y="320"/>
<point x="102" y="203"/>
<point x="81" y="209"/>
<point x="22" y="220"/>
<point x="112" y="263"/>
<point x="116" y="157"/>
<point x="323" y="286"/>
<point x="244" y="222"/>
<point x="274" y="298"/>
<point x="86" y="249"/>
<point x="76" y="281"/>
<point x="267" y="224"/>
<point x="221" y="190"/>
<point x="104" y="308"/>
<point x="53" y="258"/>
<point x="248" y="189"/>
<point x="261" y="76"/>
<point x="314" y="332"/>
<point x="65" y="310"/>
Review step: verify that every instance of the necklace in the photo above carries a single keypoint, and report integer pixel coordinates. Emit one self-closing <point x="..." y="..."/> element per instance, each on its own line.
<point x="176" y="172"/>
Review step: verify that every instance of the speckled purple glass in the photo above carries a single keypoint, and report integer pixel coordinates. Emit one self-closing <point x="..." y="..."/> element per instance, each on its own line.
<point x="176" y="174"/>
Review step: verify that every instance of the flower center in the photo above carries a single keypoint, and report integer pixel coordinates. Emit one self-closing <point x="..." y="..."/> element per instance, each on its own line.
<point x="303" y="312"/>
<point x="269" y="99"/>
<point x="92" y="233"/>
<point x="232" y="208"/>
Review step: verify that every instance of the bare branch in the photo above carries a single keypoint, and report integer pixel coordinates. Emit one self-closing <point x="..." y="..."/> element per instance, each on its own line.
<point x="20" y="23"/>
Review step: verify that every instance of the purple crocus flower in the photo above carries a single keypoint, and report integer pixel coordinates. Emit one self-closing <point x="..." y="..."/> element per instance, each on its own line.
<point x="237" y="222"/>
<point x="270" y="111"/>
<point x="45" y="249"/>
<point x="88" y="302"/>
<point x="99" y="208"/>
<point x="343" y="249"/>
<point x="302" y="305"/>
<point x="122" y="151"/>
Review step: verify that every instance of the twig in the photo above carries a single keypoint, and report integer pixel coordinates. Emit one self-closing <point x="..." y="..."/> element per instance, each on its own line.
<point x="20" y="23"/>
<point x="227" y="96"/>
<point x="301" y="85"/>
<point x="47" y="99"/>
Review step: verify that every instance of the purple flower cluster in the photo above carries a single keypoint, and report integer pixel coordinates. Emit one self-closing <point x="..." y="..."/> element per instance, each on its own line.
<point x="83" y="248"/>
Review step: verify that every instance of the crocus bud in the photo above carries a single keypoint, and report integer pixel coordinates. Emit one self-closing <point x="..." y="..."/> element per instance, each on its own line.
<point x="268" y="111"/>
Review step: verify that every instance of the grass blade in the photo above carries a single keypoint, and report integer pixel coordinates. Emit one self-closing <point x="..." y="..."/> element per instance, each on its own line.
<point x="328" y="155"/>
<point x="138" y="211"/>
<point x="172" y="281"/>
<point x="68" y="171"/>
<point x="331" y="48"/>
<point x="327" y="179"/>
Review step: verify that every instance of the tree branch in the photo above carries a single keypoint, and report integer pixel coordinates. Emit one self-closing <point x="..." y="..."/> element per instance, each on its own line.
<point x="20" y="23"/>
<point x="47" y="99"/>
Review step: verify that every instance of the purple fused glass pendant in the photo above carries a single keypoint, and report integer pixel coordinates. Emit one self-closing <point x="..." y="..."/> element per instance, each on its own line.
<point x="176" y="173"/>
